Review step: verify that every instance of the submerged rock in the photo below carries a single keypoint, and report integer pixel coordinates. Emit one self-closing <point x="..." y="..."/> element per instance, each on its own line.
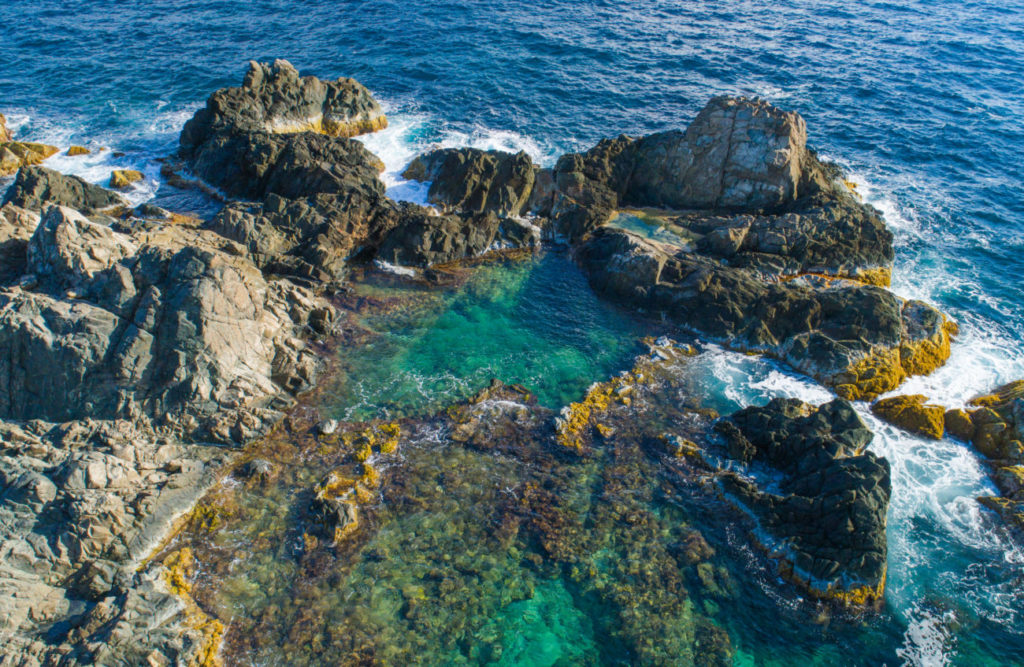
<point x="826" y="520"/>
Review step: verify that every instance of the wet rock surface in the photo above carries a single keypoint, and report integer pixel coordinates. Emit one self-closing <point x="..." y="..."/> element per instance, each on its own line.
<point x="773" y="254"/>
<point x="992" y="423"/>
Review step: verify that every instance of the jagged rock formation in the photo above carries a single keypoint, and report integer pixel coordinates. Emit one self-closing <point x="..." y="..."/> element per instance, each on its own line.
<point x="275" y="99"/>
<point x="81" y="505"/>
<point x="826" y="520"/>
<point x="773" y="253"/>
<point x="322" y="204"/>
<point x="861" y="340"/>
<point x="476" y="181"/>
<point x="122" y="342"/>
<point x="165" y="320"/>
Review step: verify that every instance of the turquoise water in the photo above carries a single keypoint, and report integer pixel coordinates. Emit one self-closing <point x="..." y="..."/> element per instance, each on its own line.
<point x="530" y="321"/>
<point x="920" y="101"/>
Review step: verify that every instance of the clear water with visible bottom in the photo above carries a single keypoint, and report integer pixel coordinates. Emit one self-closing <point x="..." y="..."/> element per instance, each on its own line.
<point x="919" y="101"/>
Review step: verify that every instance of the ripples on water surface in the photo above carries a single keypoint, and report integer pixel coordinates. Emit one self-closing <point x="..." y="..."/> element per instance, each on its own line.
<point x="921" y="101"/>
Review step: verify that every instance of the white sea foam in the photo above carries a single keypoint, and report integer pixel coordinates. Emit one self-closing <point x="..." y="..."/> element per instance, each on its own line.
<point x="409" y="134"/>
<point x="927" y="641"/>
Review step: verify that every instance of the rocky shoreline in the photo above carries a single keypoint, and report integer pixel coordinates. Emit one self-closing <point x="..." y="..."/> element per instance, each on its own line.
<point x="142" y="350"/>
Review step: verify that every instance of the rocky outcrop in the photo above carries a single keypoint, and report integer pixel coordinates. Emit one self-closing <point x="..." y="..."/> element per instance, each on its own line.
<point x="313" y="238"/>
<point x="476" y="181"/>
<point x="35" y="187"/>
<point x="422" y="238"/>
<point x="81" y="505"/>
<point x="825" y="519"/>
<point x="737" y="154"/>
<point x="993" y="423"/>
<point x="122" y="343"/>
<point x="17" y="154"/>
<point x="861" y="340"/>
<point x="275" y="99"/>
<point x="16" y="227"/>
<point x="164" y="320"/>
<point x="252" y="165"/>
<point x="284" y="134"/>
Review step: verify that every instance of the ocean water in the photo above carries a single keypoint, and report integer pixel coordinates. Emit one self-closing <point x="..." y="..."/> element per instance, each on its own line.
<point x="921" y="102"/>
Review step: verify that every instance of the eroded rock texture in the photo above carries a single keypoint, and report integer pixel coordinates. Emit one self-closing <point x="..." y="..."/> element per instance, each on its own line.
<point x="826" y="517"/>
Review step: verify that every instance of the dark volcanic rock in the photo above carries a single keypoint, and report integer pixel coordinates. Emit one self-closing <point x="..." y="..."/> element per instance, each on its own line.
<point x="827" y="518"/>
<point x="313" y="238"/>
<point x="859" y="339"/>
<point x="839" y="238"/>
<point x="423" y="238"/>
<point x="476" y="181"/>
<point x="36" y="186"/>
<point x="254" y="164"/>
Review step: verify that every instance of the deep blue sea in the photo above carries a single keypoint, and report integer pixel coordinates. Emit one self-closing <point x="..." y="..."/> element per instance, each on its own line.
<point x="921" y="102"/>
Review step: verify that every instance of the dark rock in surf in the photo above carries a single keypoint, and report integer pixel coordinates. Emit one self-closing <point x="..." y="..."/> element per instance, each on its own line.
<point x="476" y="181"/>
<point x="826" y="519"/>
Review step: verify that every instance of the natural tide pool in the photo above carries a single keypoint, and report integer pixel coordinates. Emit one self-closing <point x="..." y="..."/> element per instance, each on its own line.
<point x="496" y="548"/>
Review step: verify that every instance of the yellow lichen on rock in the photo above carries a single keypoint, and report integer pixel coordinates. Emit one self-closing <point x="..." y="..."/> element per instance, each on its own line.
<point x="78" y="150"/>
<point x="885" y="369"/>
<point x="924" y="356"/>
<point x="871" y="376"/>
<point x="880" y="276"/>
<point x="17" y="154"/>
<point x="1000" y="395"/>
<point x="122" y="178"/>
<point x="178" y="570"/>
<point x="574" y="419"/>
<point x="913" y="414"/>
<point x="352" y="128"/>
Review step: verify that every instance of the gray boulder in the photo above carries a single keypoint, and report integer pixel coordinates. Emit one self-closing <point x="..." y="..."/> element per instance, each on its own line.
<point x="36" y="186"/>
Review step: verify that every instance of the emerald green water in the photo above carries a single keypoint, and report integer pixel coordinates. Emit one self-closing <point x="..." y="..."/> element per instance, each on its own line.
<point x="529" y="321"/>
